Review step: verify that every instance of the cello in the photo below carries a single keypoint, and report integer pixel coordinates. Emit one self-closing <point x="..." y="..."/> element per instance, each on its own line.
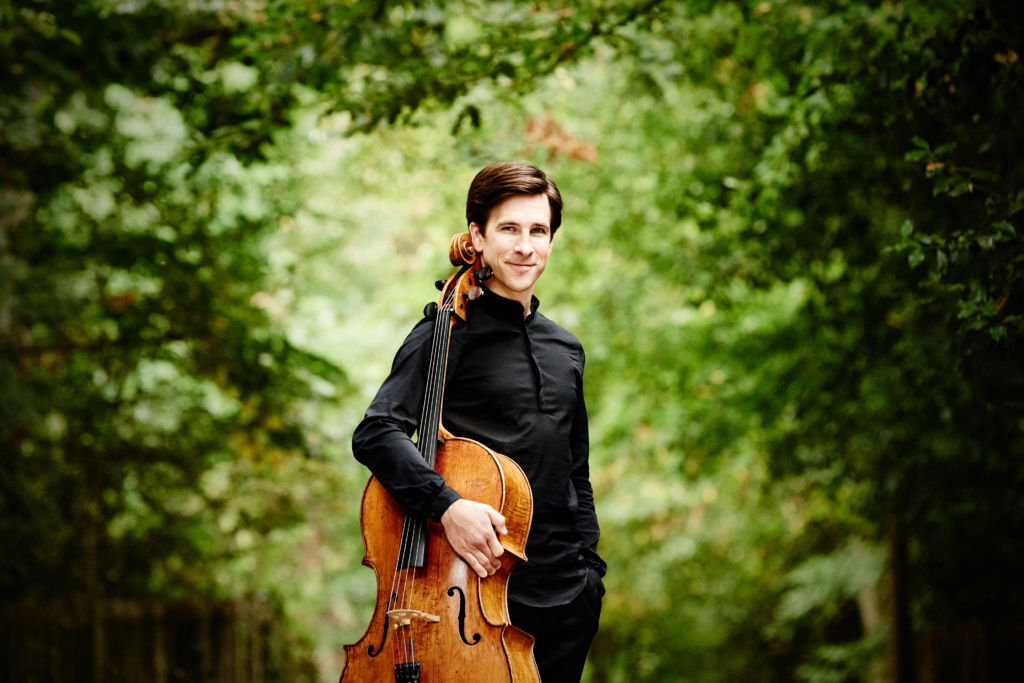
<point x="435" y="620"/>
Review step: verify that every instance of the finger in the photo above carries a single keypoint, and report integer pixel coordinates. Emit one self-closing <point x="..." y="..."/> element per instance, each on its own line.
<point x="495" y="548"/>
<point x="488" y="563"/>
<point x="475" y="565"/>
<point x="497" y="520"/>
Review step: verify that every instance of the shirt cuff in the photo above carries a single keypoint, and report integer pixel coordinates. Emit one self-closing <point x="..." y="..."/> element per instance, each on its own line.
<point x="441" y="502"/>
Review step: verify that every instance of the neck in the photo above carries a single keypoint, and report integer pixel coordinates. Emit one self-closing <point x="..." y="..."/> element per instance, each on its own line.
<point x="524" y="298"/>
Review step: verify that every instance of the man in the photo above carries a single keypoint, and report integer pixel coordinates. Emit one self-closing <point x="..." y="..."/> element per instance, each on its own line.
<point x="515" y="384"/>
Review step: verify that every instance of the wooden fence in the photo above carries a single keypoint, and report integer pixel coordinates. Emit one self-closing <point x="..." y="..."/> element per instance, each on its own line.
<point x="973" y="651"/>
<point x="78" y="641"/>
<point x="74" y="641"/>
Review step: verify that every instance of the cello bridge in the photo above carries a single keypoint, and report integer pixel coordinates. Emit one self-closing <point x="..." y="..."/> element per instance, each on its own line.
<point x="405" y="617"/>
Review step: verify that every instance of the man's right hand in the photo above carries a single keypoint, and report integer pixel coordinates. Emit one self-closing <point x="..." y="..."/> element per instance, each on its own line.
<point x="472" y="530"/>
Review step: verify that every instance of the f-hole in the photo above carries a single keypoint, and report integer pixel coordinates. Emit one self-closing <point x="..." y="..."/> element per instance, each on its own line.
<point x="462" y="616"/>
<point x="384" y="632"/>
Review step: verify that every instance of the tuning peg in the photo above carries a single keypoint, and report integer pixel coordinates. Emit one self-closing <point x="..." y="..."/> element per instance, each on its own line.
<point x="430" y="310"/>
<point x="439" y="284"/>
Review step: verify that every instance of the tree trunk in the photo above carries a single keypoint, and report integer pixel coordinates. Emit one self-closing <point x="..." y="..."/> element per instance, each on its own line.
<point x="902" y="644"/>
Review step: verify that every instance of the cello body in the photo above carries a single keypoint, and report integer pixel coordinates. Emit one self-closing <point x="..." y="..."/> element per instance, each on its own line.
<point x="473" y="639"/>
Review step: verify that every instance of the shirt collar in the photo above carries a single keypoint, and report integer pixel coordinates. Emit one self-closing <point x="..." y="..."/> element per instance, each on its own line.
<point x="510" y="309"/>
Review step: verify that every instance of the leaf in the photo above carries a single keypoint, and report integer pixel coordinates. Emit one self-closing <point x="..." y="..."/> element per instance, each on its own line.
<point x="951" y="185"/>
<point x="907" y="228"/>
<point x="1005" y="228"/>
<point x="915" y="258"/>
<point x="960" y="187"/>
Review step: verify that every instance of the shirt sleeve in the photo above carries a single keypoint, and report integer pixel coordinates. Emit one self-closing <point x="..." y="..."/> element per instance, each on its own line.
<point x="586" y="515"/>
<point x="383" y="440"/>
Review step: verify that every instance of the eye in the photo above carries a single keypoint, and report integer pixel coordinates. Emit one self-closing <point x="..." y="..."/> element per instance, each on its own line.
<point x="540" y="230"/>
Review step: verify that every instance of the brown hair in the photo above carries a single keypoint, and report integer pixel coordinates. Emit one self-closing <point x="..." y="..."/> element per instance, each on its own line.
<point x="500" y="181"/>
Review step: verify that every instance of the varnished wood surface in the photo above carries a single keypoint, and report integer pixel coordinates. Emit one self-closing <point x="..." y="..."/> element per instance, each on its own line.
<point x="503" y="653"/>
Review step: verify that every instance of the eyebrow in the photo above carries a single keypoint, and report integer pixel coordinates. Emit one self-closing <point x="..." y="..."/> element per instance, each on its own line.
<point x="517" y="224"/>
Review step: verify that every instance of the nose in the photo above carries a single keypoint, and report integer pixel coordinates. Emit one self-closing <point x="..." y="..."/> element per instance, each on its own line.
<point x="523" y="245"/>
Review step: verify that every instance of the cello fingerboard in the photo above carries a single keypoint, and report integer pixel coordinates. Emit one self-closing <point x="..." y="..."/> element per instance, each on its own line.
<point x="413" y="551"/>
<point x="414" y="532"/>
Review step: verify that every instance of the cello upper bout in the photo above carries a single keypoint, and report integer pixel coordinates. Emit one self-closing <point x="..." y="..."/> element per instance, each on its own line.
<point x="517" y="506"/>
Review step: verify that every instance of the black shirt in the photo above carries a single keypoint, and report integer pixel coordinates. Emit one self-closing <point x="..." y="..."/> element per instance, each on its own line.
<point x="516" y="386"/>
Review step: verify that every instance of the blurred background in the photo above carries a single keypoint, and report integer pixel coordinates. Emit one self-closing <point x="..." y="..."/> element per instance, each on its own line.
<point x="792" y="249"/>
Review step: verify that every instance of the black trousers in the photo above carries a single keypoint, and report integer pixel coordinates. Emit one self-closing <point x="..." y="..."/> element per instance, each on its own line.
<point x="563" y="633"/>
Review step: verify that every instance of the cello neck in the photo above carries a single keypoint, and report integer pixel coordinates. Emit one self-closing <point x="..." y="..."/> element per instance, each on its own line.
<point x="414" y="537"/>
<point x="433" y="396"/>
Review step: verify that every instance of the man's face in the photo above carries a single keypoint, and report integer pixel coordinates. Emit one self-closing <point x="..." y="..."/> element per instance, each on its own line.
<point x="515" y="245"/>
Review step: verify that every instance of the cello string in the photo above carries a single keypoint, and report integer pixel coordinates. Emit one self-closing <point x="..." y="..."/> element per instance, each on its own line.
<point x="402" y="588"/>
<point x="411" y="531"/>
<point x="431" y="420"/>
<point x="409" y="535"/>
<point x="399" y="584"/>
<point x="429" y="424"/>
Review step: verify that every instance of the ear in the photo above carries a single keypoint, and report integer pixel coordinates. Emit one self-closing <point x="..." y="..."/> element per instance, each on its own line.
<point x="476" y="236"/>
